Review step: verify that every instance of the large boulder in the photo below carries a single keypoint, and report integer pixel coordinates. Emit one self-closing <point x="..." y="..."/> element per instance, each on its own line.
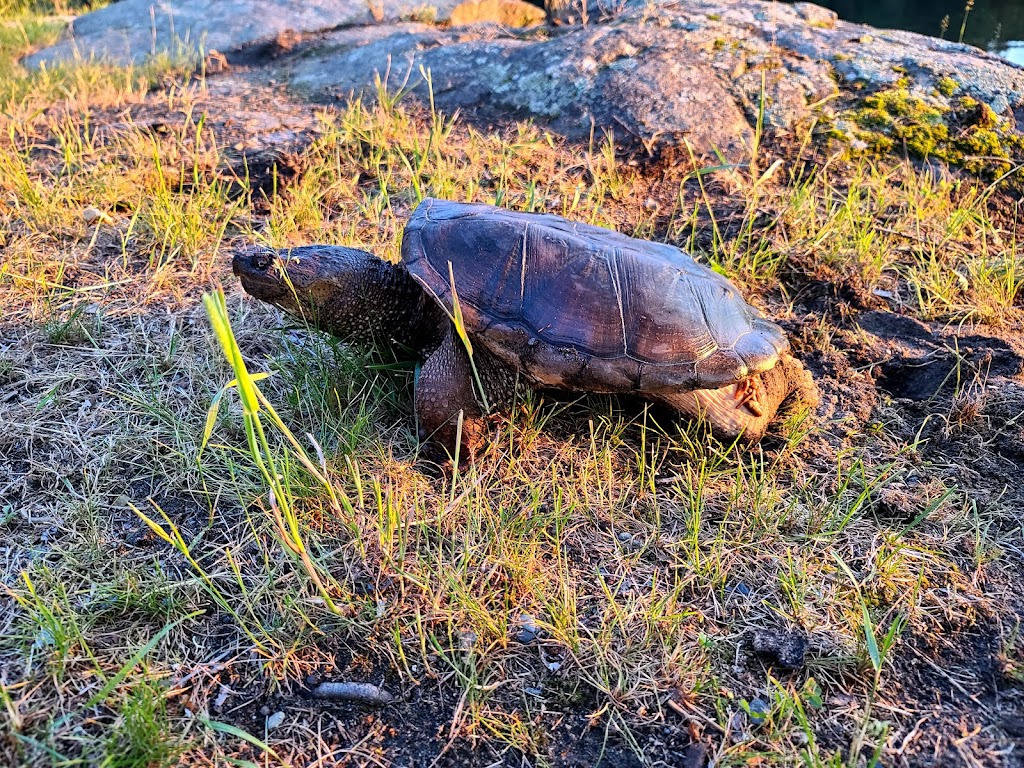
<point x="133" y="30"/>
<point x="704" y="72"/>
<point x="639" y="82"/>
<point x="649" y="80"/>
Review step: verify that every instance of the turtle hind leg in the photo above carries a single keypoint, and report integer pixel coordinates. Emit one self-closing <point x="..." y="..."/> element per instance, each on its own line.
<point x="746" y="409"/>
<point x="444" y="395"/>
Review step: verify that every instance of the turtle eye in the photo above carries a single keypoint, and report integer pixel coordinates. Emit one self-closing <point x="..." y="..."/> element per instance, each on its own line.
<point x="262" y="260"/>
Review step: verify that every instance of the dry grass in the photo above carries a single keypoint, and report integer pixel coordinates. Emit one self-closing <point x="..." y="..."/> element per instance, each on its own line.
<point x="638" y="553"/>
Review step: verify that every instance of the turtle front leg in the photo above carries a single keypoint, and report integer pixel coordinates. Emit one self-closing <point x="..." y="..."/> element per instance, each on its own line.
<point x="444" y="391"/>
<point x="745" y="410"/>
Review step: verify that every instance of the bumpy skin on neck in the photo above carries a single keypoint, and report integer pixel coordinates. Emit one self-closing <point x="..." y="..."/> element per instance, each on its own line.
<point x="349" y="293"/>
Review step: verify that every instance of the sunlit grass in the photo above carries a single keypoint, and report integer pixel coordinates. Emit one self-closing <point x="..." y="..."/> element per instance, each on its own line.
<point x="638" y="551"/>
<point x="81" y="84"/>
<point x="926" y="245"/>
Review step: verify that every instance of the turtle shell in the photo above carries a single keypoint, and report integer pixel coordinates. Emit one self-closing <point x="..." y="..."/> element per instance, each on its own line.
<point x="580" y="307"/>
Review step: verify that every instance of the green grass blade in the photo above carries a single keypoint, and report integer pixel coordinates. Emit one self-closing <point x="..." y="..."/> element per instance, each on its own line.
<point x="216" y="307"/>
<point x="869" y="637"/>
<point x="211" y="415"/>
<point x="925" y="513"/>
<point x="153" y="525"/>
<point x="123" y="672"/>
<point x="460" y="329"/>
<point x="237" y="732"/>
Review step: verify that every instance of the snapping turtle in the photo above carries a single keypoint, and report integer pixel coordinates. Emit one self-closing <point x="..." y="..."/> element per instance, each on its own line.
<point x="546" y="302"/>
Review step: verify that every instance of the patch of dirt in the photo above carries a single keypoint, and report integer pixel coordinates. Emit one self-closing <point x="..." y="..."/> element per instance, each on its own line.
<point x="915" y="362"/>
<point x="423" y="727"/>
<point x="959" y="394"/>
<point x="965" y="707"/>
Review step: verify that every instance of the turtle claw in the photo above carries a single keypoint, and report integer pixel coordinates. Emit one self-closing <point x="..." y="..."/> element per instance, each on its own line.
<point x="746" y="395"/>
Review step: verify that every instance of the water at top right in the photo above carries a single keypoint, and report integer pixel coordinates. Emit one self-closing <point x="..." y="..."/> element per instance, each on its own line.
<point x="995" y="25"/>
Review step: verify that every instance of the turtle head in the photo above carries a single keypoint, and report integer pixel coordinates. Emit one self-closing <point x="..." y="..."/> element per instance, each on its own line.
<point x="324" y="280"/>
<point x="346" y="292"/>
<point x="260" y="272"/>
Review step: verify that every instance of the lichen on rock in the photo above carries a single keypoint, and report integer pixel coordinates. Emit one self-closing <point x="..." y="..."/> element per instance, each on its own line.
<point x="511" y="13"/>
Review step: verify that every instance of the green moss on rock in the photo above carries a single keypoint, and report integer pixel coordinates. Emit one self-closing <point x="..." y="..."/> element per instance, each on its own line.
<point x="968" y="133"/>
<point x="947" y="86"/>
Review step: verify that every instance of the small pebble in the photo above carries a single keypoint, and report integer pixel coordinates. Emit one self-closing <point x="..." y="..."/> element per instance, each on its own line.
<point x="525" y="636"/>
<point x="528" y="629"/>
<point x="758" y="711"/>
<point x="222" y="696"/>
<point x="275" y="720"/>
<point x="91" y="215"/>
<point x="695" y="755"/>
<point x="737" y="729"/>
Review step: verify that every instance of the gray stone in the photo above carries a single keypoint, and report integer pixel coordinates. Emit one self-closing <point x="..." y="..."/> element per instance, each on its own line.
<point x="133" y="30"/>
<point x="758" y="711"/>
<point x="527" y="630"/>
<point x="645" y="84"/>
<point x="663" y="73"/>
<point x="656" y="73"/>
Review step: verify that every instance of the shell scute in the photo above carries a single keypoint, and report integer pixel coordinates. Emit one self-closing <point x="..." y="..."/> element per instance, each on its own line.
<point x="665" y="318"/>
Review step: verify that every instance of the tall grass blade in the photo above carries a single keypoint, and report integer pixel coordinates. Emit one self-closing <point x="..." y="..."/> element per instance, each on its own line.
<point x="234" y="730"/>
